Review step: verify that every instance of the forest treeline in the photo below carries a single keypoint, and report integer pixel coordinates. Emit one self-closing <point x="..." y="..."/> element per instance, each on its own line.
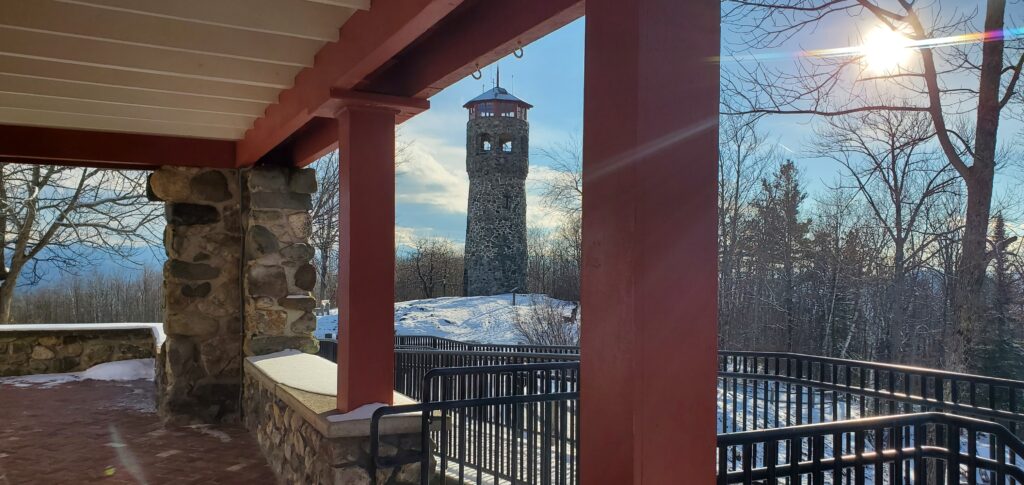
<point x="864" y="269"/>
<point x="118" y="296"/>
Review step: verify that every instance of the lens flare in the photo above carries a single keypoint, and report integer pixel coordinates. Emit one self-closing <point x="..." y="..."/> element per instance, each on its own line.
<point x="880" y="50"/>
<point x="884" y="50"/>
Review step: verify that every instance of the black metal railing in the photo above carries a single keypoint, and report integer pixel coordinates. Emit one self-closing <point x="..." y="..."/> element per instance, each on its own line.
<point x="439" y="343"/>
<point x="759" y="390"/>
<point x="503" y="423"/>
<point x="328" y="349"/>
<point x="763" y="396"/>
<point x="412" y="365"/>
<point x="925" y="448"/>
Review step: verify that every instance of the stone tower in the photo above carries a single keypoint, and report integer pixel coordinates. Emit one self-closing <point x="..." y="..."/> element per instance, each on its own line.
<point x="497" y="147"/>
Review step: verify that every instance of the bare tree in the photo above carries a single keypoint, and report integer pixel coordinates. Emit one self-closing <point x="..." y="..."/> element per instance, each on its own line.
<point x="62" y="218"/>
<point x="963" y="89"/>
<point x="564" y="191"/>
<point x="886" y="156"/>
<point x="557" y="259"/>
<point x="743" y="156"/>
<point x="549" y="322"/>
<point x="437" y="267"/>
<point x="325" y="221"/>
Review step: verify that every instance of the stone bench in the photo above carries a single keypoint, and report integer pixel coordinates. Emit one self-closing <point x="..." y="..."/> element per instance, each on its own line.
<point x="290" y="404"/>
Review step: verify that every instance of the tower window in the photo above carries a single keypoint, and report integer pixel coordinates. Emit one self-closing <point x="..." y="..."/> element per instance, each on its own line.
<point x="506" y="146"/>
<point x="486" y="146"/>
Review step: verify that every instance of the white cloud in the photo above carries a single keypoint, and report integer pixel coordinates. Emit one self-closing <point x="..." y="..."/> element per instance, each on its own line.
<point x="406" y="237"/>
<point x="538" y="214"/>
<point x="435" y="176"/>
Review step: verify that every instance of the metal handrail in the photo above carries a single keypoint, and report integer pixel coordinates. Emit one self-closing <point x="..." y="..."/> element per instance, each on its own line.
<point x="804" y="381"/>
<point x="897" y="441"/>
<point x="898" y="388"/>
<point x="488" y="396"/>
<point x="897" y="368"/>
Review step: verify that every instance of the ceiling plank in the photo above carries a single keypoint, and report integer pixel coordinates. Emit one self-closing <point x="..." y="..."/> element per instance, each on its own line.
<point x="462" y="43"/>
<point x="100" y="149"/>
<point x="147" y="30"/>
<point x="370" y="39"/>
<point x="119" y="110"/>
<point x="10" y="83"/>
<point x="15" y="116"/>
<point x="297" y="18"/>
<point x="128" y="57"/>
<point x="47" y="69"/>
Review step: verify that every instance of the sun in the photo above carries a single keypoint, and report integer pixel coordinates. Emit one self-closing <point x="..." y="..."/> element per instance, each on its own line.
<point x="884" y="50"/>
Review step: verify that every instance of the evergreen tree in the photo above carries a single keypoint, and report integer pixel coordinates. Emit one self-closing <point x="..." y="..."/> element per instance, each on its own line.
<point x="1000" y="352"/>
<point x="780" y="240"/>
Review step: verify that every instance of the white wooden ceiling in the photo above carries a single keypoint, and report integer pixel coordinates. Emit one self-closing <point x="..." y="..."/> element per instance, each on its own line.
<point x="195" y="68"/>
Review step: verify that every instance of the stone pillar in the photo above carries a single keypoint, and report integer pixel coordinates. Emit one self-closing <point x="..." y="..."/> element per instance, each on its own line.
<point x="238" y="279"/>
<point x="199" y="367"/>
<point x="279" y="278"/>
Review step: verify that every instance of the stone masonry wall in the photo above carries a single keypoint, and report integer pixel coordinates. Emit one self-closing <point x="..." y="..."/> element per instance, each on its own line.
<point x="49" y="351"/>
<point x="298" y="453"/>
<point x="238" y="280"/>
<point x="199" y="370"/>
<point x="279" y="278"/>
<point x="496" y="253"/>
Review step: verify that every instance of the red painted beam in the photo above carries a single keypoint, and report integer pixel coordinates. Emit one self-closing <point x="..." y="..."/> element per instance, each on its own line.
<point x="320" y="135"/>
<point x="111" y="150"/>
<point x="446" y="53"/>
<point x="366" y="269"/>
<point x="475" y="35"/>
<point x="366" y="42"/>
<point x="650" y="248"/>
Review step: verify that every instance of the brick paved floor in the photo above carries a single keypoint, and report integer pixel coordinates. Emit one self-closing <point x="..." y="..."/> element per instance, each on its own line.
<point x="108" y="432"/>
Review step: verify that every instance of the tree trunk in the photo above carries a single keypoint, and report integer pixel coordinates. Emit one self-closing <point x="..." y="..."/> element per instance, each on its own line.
<point x="7" y="297"/>
<point x="968" y="298"/>
<point x="896" y="294"/>
<point x="969" y="302"/>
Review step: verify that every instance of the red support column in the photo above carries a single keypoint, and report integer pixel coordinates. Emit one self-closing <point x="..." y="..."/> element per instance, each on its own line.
<point x="650" y="242"/>
<point x="366" y="270"/>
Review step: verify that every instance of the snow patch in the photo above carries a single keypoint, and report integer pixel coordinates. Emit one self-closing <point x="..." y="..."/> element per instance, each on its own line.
<point x="299" y="370"/>
<point x="207" y="430"/>
<point x="481" y="319"/>
<point x="123" y="370"/>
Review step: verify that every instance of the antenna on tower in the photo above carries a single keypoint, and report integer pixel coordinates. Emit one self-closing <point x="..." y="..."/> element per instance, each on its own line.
<point x="497" y="79"/>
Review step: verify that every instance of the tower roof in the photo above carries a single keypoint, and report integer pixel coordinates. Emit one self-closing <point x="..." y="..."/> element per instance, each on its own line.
<point x="496" y="93"/>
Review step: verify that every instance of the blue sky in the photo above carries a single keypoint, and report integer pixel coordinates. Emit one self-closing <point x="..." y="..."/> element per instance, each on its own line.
<point x="432" y="190"/>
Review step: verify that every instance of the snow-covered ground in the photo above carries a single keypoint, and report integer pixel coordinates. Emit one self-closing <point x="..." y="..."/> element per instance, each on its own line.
<point x="123" y="370"/>
<point x="482" y="319"/>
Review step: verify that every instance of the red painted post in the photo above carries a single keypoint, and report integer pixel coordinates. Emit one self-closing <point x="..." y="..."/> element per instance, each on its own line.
<point x="650" y="242"/>
<point x="366" y="270"/>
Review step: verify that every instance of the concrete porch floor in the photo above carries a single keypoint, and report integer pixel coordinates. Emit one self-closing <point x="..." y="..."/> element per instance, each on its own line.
<point x="109" y="432"/>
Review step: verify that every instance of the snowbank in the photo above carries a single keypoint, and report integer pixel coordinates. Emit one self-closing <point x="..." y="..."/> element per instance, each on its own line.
<point x="483" y="319"/>
<point x="124" y="370"/>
